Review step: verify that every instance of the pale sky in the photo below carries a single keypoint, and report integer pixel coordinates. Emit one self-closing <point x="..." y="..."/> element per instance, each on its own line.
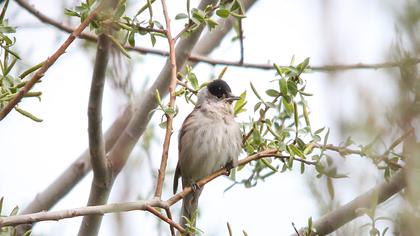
<point x="33" y="154"/>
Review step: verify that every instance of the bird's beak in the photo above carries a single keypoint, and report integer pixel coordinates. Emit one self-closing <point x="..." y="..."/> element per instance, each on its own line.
<point x="232" y="98"/>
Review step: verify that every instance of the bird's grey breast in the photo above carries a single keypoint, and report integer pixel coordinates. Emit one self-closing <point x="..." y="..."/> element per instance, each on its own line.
<point x="210" y="140"/>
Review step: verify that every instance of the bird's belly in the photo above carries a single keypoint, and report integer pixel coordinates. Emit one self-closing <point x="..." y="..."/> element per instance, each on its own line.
<point x="211" y="148"/>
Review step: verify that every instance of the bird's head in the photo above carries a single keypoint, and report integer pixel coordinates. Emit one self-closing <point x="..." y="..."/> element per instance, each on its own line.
<point x="217" y="91"/>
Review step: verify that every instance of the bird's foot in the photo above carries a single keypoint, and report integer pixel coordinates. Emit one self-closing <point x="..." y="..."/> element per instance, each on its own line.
<point x="195" y="187"/>
<point x="229" y="166"/>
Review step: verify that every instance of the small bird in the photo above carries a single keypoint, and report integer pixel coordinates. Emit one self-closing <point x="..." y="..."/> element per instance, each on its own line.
<point x="209" y="139"/>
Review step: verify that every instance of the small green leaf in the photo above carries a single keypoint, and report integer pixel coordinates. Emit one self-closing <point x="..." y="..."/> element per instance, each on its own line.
<point x="287" y="106"/>
<point x="223" y="13"/>
<point x="211" y="23"/>
<point x="238" y="16"/>
<point x="7" y="29"/>
<point x="268" y="164"/>
<point x="69" y="12"/>
<point x="153" y="39"/>
<point x="181" y="16"/>
<point x="28" y="114"/>
<point x="283" y="86"/>
<point x="131" y="39"/>
<point x="296" y="151"/>
<point x="256" y="106"/>
<point x="306" y="115"/>
<point x="14" y="211"/>
<point x="1" y="204"/>
<point x="272" y="93"/>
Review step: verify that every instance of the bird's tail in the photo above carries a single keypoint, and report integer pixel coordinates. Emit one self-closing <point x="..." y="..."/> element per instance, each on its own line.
<point x="189" y="211"/>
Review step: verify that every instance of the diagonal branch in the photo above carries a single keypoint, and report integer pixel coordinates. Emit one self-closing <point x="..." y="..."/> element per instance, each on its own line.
<point x="348" y="212"/>
<point x="46" y="65"/>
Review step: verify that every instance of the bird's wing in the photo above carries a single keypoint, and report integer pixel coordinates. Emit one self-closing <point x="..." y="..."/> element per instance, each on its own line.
<point x="184" y="128"/>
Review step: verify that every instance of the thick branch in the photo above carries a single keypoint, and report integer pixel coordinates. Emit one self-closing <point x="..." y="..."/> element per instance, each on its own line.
<point x="96" y="140"/>
<point x="346" y="213"/>
<point x="49" y="62"/>
<point x="101" y="174"/>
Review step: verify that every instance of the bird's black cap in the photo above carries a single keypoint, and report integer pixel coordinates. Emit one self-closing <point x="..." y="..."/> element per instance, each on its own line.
<point x="219" y="88"/>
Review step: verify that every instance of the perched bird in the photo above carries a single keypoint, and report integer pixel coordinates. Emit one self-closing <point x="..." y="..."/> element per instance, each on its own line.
<point x="209" y="139"/>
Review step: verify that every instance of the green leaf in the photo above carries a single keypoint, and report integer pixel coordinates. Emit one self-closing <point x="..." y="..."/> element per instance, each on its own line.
<point x="302" y="167"/>
<point x="240" y="104"/>
<point x="239" y="16"/>
<point x="255" y="91"/>
<point x="198" y="14"/>
<point x="193" y="80"/>
<point x="306" y="115"/>
<point x="318" y="131"/>
<point x="158" y="98"/>
<point x="28" y="114"/>
<point x="296" y="151"/>
<point x="296" y="116"/>
<point x="181" y="16"/>
<point x="131" y="39"/>
<point x="1" y="204"/>
<point x="71" y="12"/>
<point x="272" y="93"/>
<point x="330" y="186"/>
<point x="211" y="23"/>
<point x="291" y="85"/>
<point x="288" y="106"/>
<point x="268" y="164"/>
<point x="223" y="13"/>
<point x="283" y="86"/>
<point x="120" y="9"/>
<point x="153" y="39"/>
<point x="14" y="211"/>
<point x="7" y="29"/>
<point x="119" y="46"/>
<point x="257" y="105"/>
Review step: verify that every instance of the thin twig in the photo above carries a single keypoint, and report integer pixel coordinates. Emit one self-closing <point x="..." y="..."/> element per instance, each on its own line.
<point x="241" y="41"/>
<point x="49" y="62"/>
<point x="171" y="105"/>
<point x="207" y="60"/>
<point x="294" y="227"/>
<point x="229" y="229"/>
<point x="169" y="215"/>
<point x="164" y="218"/>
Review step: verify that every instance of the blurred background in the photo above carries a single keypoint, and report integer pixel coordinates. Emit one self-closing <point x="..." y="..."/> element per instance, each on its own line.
<point x="362" y="103"/>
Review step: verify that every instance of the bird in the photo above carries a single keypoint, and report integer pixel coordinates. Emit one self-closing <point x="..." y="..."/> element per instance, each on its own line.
<point x="209" y="139"/>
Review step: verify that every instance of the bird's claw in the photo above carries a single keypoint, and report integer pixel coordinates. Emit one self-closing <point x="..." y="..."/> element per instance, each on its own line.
<point x="229" y="166"/>
<point x="195" y="187"/>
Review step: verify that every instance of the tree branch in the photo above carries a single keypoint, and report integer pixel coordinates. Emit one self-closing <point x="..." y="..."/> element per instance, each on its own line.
<point x="49" y="62"/>
<point x="171" y="105"/>
<point x="346" y="213"/>
<point x="101" y="173"/>
<point x="213" y="40"/>
<point x="96" y="139"/>
<point x="143" y="205"/>
<point x="80" y="167"/>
